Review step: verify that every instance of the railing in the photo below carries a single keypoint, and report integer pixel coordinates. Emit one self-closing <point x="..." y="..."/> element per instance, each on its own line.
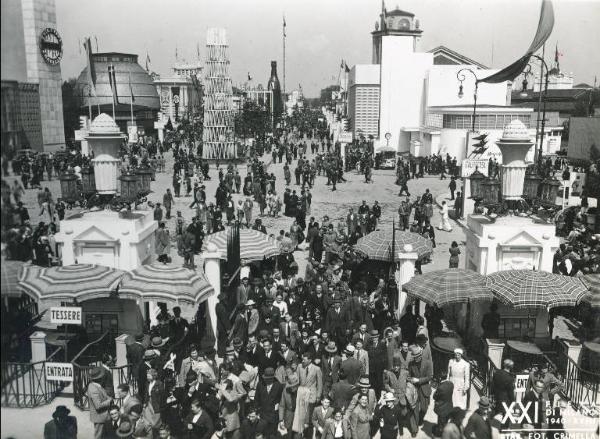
<point x="24" y="385"/>
<point x="87" y="358"/>
<point x="581" y="386"/>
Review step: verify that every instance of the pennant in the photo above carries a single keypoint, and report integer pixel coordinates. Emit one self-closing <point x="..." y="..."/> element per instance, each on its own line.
<point x="284" y="26"/>
<point x="249" y="77"/>
<point x="147" y="62"/>
<point x="91" y="71"/>
<point x="545" y="26"/>
<point x="346" y="66"/>
<point x="557" y="54"/>
<point x="131" y="89"/>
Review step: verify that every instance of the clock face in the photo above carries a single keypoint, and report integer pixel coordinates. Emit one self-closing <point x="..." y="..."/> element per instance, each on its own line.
<point x="176" y="99"/>
<point x="388" y="136"/>
<point x="51" y="46"/>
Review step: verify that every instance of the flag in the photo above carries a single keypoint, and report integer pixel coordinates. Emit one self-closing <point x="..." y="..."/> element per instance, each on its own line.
<point x="176" y="53"/>
<point x="346" y="66"/>
<point x="545" y="26"/>
<point x="147" y="62"/>
<point x="91" y="72"/>
<point x="249" y="77"/>
<point x="198" y="50"/>
<point x="342" y="65"/>
<point x="131" y="89"/>
<point x="113" y="83"/>
<point x="383" y="14"/>
<point x="557" y="54"/>
<point x="284" y="26"/>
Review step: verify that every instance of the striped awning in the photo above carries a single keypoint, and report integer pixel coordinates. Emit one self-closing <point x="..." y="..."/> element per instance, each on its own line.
<point x="254" y="245"/>
<point x="452" y="285"/>
<point x="71" y="282"/>
<point x="165" y="283"/>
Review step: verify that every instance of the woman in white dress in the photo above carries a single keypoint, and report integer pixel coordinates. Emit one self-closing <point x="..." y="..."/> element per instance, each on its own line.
<point x="459" y="374"/>
<point x="445" y="222"/>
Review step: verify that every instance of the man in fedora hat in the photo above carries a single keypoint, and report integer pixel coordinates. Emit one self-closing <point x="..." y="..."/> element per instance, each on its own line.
<point x="351" y="366"/>
<point x="99" y="401"/>
<point x="364" y="389"/>
<point x="420" y="374"/>
<point x="331" y="367"/>
<point x="267" y="398"/>
<point x="478" y="425"/>
<point x="62" y="426"/>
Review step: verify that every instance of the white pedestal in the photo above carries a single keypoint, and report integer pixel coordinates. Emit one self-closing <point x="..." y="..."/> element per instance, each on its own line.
<point x="212" y="271"/>
<point x="38" y="347"/>
<point x="405" y="272"/>
<point x="495" y="350"/>
<point x="121" y="348"/>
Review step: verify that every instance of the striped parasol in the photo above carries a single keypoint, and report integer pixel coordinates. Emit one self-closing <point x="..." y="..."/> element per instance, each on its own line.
<point x="165" y="283"/>
<point x="592" y="282"/>
<point x="10" y="277"/>
<point x="527" y="288"/>
<point x="377" y="245"/>
<point x="452" y="285"/>
<point x="254" y="245"/>
<point x="79" y="281"/>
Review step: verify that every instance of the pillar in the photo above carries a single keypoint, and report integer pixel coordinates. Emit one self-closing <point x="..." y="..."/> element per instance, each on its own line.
<point x="38" y="346"/>
<point x="468" y="203"/>
<point x="212" y="271"/>
<point x="495" y="350"/>
<point x="121" y="356"/>
<point x="404" y="273"/>
<point x="573" y="349"/>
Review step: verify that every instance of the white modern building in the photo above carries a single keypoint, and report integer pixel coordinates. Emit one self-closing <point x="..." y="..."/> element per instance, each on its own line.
<point x="409" y="100"/>
<point x="180" y="91"/>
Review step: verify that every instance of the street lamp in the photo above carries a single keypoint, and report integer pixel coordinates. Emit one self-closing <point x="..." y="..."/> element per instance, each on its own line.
<point x="461" y="77"/>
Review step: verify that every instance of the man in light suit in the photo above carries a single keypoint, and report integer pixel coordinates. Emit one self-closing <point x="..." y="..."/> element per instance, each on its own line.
<point x="362" y="356"/>
<point x="351" y="221"/>
<point x="99" y="401"/>
<point x="128" y="400"/>
<point x="320" y="416"/>
<point x="241" y="295"/>
<point x="311" y="377"/>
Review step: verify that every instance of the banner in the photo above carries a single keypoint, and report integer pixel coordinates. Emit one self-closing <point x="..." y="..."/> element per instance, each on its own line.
<point x="468" y="166"/>
<point x="65" y="315"/>
<point x="91" y="72"/>
<point x="59" y="371"/>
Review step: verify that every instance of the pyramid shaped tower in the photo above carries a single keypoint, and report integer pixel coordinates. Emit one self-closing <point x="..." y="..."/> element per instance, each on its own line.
<point x="218" y="137"/>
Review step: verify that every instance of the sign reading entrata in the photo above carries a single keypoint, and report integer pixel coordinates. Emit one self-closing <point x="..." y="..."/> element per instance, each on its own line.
<point x="521" y="385"/>
<point x="468" y="166"/>
<point x="59" y="371"/>
<point x="65" y="315"/>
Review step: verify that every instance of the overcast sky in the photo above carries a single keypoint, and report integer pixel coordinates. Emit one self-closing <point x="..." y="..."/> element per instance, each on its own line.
<point x="322" y="32"/>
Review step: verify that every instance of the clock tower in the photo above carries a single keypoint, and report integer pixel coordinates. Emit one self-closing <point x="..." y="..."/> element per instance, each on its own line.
<point x="397" y="24"/>
<point x="43" y="53"/>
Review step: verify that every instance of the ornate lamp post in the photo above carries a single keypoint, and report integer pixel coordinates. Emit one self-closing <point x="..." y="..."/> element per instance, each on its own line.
<point x="461" y="77"/>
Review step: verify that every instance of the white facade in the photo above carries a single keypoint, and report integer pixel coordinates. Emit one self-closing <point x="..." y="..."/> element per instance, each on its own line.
<point x="363" y="99"/>
<point x="402" y="101"/>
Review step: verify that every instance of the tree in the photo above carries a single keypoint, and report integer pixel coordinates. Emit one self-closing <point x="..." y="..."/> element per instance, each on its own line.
<point x="252" y="121"/>
<point x="71" y="107"/>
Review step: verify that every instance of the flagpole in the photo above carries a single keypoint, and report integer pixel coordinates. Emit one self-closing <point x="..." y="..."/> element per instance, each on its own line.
<point x="90" y="102"/>
<point x="284" y="24"/>
<point x="131" y="99"/>
<point x="539" y="107"/>
<point x="112" y="89"/>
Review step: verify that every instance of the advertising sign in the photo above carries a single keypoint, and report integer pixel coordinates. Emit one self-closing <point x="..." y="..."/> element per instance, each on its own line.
<point x="132" y="132"/>
<point x="345" y="137"/>
<point x="80" y="135"/>
<point x="65" y="315"/>
<point x="468" y="166"/>
<point x="59" y="371"/>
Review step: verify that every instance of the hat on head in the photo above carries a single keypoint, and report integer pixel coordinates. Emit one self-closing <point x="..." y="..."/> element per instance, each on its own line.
<point x="364" y="382"/>
<point x="389" y="396"/>
<point x="350" y="349"/>
<point x="96" y="373"/>
<point x="149" y="354"/>
<point x="237" y="342"/>
<point x="484" y="402"/>
<point x="230" y="350"/>
<point x="125" y="429"/>
<point x="250" y="302"/>
<point x="458" y="351"/>
<point x="139" y="337"/>
<point x="269" y="373"/>
<point x="374" y="333"/>
<point x="60" y="410"/>
<point x="157" y="342"/>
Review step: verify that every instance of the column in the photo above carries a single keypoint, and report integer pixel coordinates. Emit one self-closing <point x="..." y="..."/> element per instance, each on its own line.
<point x="121" y="356"/>
<point x="468" y="203"/>
<point x="495" y="349"/>
<point x="212" y="271"/>
<point x="38" y="347"/>
<point x="573" y="349"/>
<point x="405" y="272"/>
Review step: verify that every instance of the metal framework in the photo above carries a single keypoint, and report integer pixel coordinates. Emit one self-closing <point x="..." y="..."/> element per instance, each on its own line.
<point x="218" y="135"/>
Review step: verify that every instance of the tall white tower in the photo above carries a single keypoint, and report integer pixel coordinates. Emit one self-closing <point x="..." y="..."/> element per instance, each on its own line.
<point x="218" y="136"/>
